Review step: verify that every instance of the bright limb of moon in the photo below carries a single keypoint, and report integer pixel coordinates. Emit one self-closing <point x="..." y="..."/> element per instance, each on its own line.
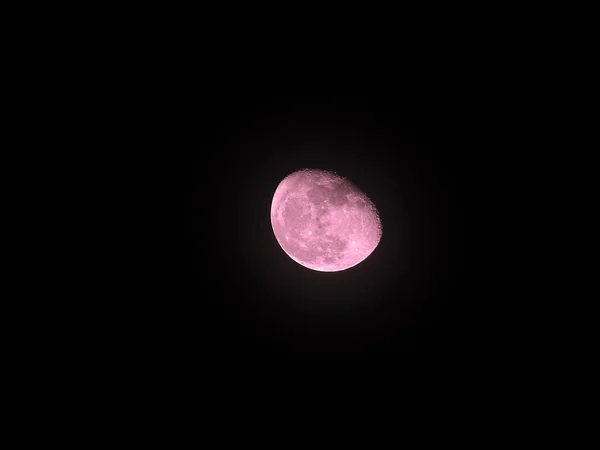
<point x="323" y="222"/>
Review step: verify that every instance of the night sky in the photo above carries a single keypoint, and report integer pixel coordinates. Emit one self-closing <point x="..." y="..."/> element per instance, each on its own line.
<point x="414" y="295"/>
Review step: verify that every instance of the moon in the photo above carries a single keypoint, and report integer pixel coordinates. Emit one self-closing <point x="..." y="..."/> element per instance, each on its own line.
<point x="324" y="222"/>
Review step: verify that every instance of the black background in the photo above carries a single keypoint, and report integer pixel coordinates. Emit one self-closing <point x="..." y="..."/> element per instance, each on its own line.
<point x="420" y="158"/>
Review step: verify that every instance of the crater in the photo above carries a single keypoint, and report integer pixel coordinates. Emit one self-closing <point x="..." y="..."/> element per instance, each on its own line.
<point x="339" y="195"/>
<point x="321" y="226"/>
<point x="360" y="203"/>
<point x="334" y="244"/>
<point x="296" y="214"/>
<point x="318" y="194"/>
<point x="329" y="260"/>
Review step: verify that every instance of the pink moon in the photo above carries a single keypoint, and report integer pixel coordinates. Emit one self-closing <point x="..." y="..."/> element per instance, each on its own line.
<point x="324" y="222"/>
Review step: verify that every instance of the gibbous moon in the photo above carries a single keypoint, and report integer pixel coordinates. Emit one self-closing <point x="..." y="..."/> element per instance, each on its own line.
<point x="323" y="222"/>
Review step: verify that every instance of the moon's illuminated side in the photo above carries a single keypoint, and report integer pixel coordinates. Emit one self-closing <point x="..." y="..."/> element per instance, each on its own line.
<point x="323" y="222"/>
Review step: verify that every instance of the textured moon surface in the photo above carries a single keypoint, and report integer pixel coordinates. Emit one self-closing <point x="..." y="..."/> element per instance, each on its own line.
<point x="323" y="222"/>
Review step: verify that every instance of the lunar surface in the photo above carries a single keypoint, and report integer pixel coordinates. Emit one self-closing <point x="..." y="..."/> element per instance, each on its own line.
<point x="323" y="222"/>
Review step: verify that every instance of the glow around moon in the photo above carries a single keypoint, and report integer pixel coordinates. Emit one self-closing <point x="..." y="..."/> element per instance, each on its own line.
<point x="323" y="222"/>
